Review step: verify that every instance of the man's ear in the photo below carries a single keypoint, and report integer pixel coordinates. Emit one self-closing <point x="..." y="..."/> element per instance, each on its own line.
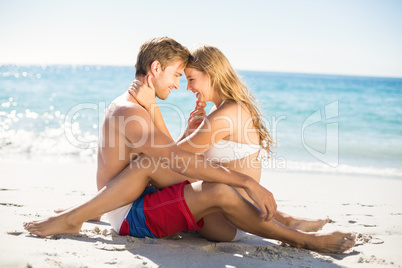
<point x="155" y="68"/>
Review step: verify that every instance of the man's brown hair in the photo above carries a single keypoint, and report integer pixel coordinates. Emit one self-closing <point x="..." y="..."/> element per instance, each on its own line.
<point x="163" y="49"/>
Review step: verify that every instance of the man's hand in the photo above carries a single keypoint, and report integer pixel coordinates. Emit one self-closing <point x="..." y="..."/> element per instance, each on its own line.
<point x="263" y="199"/>
<point x="143" y="93"/>
<point x="196" y="117"/>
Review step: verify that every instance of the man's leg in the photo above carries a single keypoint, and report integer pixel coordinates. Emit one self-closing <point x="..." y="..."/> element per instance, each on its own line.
<point x="122" y="190"/>
<point x="206" y="198"/>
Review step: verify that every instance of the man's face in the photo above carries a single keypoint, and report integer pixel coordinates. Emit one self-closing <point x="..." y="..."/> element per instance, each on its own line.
<point x="168" y="79"/>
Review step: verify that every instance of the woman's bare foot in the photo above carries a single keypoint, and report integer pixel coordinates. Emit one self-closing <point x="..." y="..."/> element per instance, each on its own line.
<point x="52" y="226"/>
<point x="60" y="210"/>
<point x="335" y="242"/>
<point x="307" y="225"/>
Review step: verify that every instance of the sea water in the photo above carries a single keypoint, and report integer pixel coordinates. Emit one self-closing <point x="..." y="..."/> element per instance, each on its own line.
<point x="319" y="123"/>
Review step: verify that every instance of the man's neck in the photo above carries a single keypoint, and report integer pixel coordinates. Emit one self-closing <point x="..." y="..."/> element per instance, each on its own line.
<point x="141" y="78"/>
<point x="131" y="98"/>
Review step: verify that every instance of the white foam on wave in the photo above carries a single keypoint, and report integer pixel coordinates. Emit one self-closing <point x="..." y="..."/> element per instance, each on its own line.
<point x="31" y="134"/>
<point x="298" y="166"/>
<point x="50" y="142"/>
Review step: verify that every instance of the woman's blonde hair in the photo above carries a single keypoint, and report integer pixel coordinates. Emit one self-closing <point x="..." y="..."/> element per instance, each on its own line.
<point x="228" y="85"/>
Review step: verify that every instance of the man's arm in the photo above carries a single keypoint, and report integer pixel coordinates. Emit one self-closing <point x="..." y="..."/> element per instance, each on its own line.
<point x="142" y="133"/>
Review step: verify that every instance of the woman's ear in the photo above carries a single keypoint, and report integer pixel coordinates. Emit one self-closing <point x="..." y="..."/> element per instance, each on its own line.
<point x="155" y="67"/>
<point x="210" y="81"/>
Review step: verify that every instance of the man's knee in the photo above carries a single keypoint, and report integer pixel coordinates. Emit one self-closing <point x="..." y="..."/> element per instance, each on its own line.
<point x="143" y="162"/>
<point x="222" y="194"/>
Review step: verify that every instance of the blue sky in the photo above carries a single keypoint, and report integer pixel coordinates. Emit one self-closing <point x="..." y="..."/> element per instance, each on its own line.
<point x="359" y="37"/>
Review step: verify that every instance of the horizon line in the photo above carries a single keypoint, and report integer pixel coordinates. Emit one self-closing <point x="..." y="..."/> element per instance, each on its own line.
<point x="237" y="69"/>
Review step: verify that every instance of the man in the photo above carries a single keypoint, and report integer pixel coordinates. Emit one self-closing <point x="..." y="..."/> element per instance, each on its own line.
<point x="128" y="131"/>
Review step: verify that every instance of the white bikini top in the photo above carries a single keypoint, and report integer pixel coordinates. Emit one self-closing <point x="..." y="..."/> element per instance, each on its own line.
<point x="225" y="151"/>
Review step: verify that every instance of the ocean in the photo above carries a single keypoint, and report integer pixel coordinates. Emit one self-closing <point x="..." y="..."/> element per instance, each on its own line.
<point x="320" y="123"/>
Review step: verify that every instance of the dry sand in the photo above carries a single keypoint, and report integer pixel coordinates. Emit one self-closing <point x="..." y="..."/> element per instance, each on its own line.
<point x="371" y="207"/>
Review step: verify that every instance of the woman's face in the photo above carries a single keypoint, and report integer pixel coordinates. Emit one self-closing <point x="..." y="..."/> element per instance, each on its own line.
<point x="199" y="83"/>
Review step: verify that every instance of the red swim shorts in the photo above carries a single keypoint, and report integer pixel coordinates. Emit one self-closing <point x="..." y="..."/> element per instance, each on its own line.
<point x="166" y="211"/>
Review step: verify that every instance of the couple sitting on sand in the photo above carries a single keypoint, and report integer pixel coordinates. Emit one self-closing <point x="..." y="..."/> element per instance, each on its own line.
<point x="207" y="180"/>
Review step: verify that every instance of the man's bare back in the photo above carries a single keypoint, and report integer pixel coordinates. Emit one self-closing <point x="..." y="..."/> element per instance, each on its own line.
<point x="114" y="153"/>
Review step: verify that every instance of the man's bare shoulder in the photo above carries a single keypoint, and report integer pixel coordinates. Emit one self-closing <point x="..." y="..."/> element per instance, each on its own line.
<point x="126" y="108"/>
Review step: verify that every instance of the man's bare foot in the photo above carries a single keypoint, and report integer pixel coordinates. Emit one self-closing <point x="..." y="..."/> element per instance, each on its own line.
<point x="308" y="225"/>
<point x="52" y="226"/>
<point x="335" y="242"/>
<point x="61" y="210"/>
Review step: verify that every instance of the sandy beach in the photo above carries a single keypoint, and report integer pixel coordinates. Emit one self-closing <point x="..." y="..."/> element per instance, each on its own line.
<point x="369" y="206"/>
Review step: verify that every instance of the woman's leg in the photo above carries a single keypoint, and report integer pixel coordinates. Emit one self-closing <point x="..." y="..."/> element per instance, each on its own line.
<point x="302" y="224"/>
<point x="206" y="198"/>
<point x="217" y="228"/>
<point x="122" y="190"/>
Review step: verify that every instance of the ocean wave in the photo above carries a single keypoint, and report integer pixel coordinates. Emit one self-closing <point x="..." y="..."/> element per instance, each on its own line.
<point x="50" y="142"/>
<point x="319" y="167"/>
<point x="53" y="144"/>
<point x="56" y="111"/>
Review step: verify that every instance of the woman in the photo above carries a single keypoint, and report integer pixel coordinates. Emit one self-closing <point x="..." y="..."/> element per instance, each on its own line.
<point x="232" y="134"/>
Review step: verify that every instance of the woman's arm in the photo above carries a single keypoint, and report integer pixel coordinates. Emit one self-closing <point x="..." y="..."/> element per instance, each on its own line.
<point x="194" y="121"/>
<point x="201" y="132"/>
<point x="219" y="124"/>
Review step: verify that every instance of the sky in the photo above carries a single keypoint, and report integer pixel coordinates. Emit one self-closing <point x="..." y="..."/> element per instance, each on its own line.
<point x="358" y="37"/>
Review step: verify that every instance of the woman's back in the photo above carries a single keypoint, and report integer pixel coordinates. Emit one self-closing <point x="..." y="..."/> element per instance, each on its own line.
<point x="240" y="151"/>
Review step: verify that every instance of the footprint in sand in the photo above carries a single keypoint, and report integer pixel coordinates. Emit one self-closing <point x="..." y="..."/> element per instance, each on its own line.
<point x="231" y="248"/>
<point x="373" y="259"/>
<point x="367" y="239"/>
<point x="363" y="205"/>
<point x="112" y="261"/>
<point x="267" y="253"/>
<point x="368" y="225"/>
<point x="115" y="247"/>
<point x="10" y="205"/>
<point x="16" y="233"/>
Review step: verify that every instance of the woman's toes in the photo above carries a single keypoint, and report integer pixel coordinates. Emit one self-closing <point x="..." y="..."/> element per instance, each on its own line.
<point x="348" y="243"/>
<point x="27" y="225"/>
<point x="352" y="236"/>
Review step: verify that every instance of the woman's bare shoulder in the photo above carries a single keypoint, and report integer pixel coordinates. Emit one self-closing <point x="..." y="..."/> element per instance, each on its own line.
<point x="234" y="108"/>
